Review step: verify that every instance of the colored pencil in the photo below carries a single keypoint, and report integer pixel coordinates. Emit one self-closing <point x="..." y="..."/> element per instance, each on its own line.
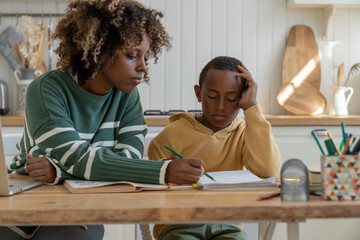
<point x="343" y="132"/>
<point x="317" y="141"/>
<point x="177" y="154"/>
<point x="268" y="196"/>
<point x="171" y="150"/>
<point x="346" y="146"/>
<point x="330" y="137"/>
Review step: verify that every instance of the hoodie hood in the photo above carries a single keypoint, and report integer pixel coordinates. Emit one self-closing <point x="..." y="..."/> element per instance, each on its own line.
<point x="189" y="118"/>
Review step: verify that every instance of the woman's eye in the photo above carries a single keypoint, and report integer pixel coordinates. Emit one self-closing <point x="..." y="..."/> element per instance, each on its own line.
<point x="211" y="97"/>
<point x="232" y="100"/>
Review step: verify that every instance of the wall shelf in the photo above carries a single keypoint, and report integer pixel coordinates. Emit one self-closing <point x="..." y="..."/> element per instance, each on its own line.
<point x="329" y="8"/>
<point x="275" y="120"/>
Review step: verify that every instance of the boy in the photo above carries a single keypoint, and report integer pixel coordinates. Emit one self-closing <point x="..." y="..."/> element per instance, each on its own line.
<point x="221" y="139"/>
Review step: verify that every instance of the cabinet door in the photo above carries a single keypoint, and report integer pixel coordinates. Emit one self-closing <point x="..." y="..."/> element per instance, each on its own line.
<point x="297" y="141"/>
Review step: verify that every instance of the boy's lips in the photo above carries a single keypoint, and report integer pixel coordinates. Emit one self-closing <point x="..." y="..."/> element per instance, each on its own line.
<point x="219" y="117"/>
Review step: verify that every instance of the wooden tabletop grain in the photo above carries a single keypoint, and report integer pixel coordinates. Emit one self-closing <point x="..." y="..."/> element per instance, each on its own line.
<point x="54" y="205"/>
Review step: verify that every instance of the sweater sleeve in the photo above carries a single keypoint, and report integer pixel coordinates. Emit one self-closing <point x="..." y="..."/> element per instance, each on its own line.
<point x="56" y="138"/>
<point x="260" y="152"/>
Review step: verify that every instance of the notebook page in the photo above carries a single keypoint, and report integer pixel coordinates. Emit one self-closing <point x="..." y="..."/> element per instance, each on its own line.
<point x="226" y="177"/>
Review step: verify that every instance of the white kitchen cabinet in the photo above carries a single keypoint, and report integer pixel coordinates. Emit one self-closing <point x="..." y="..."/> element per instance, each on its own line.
<point x="329" y="8"/>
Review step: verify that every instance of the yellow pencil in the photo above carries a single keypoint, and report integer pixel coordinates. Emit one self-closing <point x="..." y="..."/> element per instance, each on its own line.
<point x="330" y="137"/>
<point x="195" y="185"/>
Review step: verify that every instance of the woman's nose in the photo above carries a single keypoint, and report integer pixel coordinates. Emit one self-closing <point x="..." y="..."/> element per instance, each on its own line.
<point x="141" y="67"/>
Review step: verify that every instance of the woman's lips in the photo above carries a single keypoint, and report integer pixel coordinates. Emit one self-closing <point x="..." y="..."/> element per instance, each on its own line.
<point x="137" y="81"/>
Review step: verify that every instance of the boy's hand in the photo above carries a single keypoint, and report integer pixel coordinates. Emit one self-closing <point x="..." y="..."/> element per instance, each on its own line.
<point x="183" y="170"/>
<point x="40" y="169"/>
<point x="249" y="97"/>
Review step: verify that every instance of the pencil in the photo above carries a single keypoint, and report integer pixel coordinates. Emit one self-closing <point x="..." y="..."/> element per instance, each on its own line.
<point x="346" y="146"/>
<point x="177" y="154"/>
<point x="352" y="142"/>
<point x="171" y="150"/>
<point x="330" y="137"/>
<point x="343" y="131"/>
<point x="317" y="141"/>
<point x="208" y="175"/>
<point x="195" y="185"/>
<point x="268" y="196"/>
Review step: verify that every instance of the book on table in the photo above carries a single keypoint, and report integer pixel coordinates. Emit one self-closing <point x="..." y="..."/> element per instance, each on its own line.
<point x="234" y="180"/>
<point x="314" y="173"/>
<point x="225" y="180"/>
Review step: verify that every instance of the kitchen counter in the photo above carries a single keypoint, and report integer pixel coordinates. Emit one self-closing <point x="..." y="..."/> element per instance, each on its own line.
<point x="275" y="120"/>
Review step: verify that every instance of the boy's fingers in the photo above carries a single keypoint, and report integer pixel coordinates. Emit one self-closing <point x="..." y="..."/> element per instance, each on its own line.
<point x="242" y="68"/>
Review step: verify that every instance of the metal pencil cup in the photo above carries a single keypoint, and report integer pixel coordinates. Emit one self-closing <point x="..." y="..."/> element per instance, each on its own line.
<point x="340" y="177"/>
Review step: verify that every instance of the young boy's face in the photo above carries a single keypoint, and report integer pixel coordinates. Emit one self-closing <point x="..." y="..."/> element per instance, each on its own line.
<point x="220" y="93"/>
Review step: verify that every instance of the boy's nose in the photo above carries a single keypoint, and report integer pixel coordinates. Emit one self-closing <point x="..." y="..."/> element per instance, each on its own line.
<point x="220" y="104"/>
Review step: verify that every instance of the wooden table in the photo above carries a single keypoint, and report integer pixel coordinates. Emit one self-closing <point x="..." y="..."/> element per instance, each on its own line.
<point x="47" y="205"/>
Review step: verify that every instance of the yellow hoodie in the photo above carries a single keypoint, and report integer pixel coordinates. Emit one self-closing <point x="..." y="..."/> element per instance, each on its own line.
<point x="244" y="143"/>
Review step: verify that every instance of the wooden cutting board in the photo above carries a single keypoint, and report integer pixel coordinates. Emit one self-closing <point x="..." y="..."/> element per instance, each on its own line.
<point x="301" y="59"/>
<point x="301" y="100"/>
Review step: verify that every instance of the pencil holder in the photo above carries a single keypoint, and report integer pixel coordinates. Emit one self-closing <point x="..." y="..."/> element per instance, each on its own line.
<point x="340" y="177"/>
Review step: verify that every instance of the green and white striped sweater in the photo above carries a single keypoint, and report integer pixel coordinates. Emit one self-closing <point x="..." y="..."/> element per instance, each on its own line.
<point x="85" y="136"/>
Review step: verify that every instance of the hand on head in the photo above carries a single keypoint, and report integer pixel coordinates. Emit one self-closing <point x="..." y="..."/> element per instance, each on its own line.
<point x="40" y="169"/>
<point x="183" y="170"/>
<point x="249" y="97"/>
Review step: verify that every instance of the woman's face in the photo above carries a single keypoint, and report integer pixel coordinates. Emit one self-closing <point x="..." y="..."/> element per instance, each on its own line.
<point x="125" y="73"/>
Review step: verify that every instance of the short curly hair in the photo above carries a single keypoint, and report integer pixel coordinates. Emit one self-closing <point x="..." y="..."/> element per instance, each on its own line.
<point x="221" y="62"/>
<point x="92" y="31"/>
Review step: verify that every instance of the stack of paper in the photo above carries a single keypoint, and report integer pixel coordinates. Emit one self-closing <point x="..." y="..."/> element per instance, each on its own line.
<point x="234" y="180"/>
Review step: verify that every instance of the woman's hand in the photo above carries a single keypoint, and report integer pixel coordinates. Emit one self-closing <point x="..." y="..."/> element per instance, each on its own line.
<point x="40" y="169"/>
<point x="183" y="170"/>
<point x="249" y="97"/>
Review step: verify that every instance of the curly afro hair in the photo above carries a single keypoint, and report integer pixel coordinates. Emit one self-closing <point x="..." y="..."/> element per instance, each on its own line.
<point x="92" y="31"/>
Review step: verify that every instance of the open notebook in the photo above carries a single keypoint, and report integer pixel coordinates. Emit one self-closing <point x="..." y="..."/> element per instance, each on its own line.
<point x="226" y="180"/>
<point x="234" y="180"/>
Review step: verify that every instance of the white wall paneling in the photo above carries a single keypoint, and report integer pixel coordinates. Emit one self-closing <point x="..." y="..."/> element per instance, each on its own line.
<point x="254" y="31"/>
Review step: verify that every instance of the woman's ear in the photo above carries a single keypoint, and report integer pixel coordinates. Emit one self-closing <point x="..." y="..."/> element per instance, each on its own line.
<point x="197" y="90"/>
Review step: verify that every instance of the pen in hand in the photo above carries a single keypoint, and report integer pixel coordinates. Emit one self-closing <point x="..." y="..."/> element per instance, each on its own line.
<point x="177" y="154"/>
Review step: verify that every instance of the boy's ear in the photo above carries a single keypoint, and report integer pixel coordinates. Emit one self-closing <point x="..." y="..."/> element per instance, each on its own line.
<point x="197" y="90"/>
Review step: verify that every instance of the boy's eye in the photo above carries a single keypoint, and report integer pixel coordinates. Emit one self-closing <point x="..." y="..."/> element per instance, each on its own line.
<point x="211" y="97"/>
<point x="131" y="57"/>
<point x="231" y="100"/>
